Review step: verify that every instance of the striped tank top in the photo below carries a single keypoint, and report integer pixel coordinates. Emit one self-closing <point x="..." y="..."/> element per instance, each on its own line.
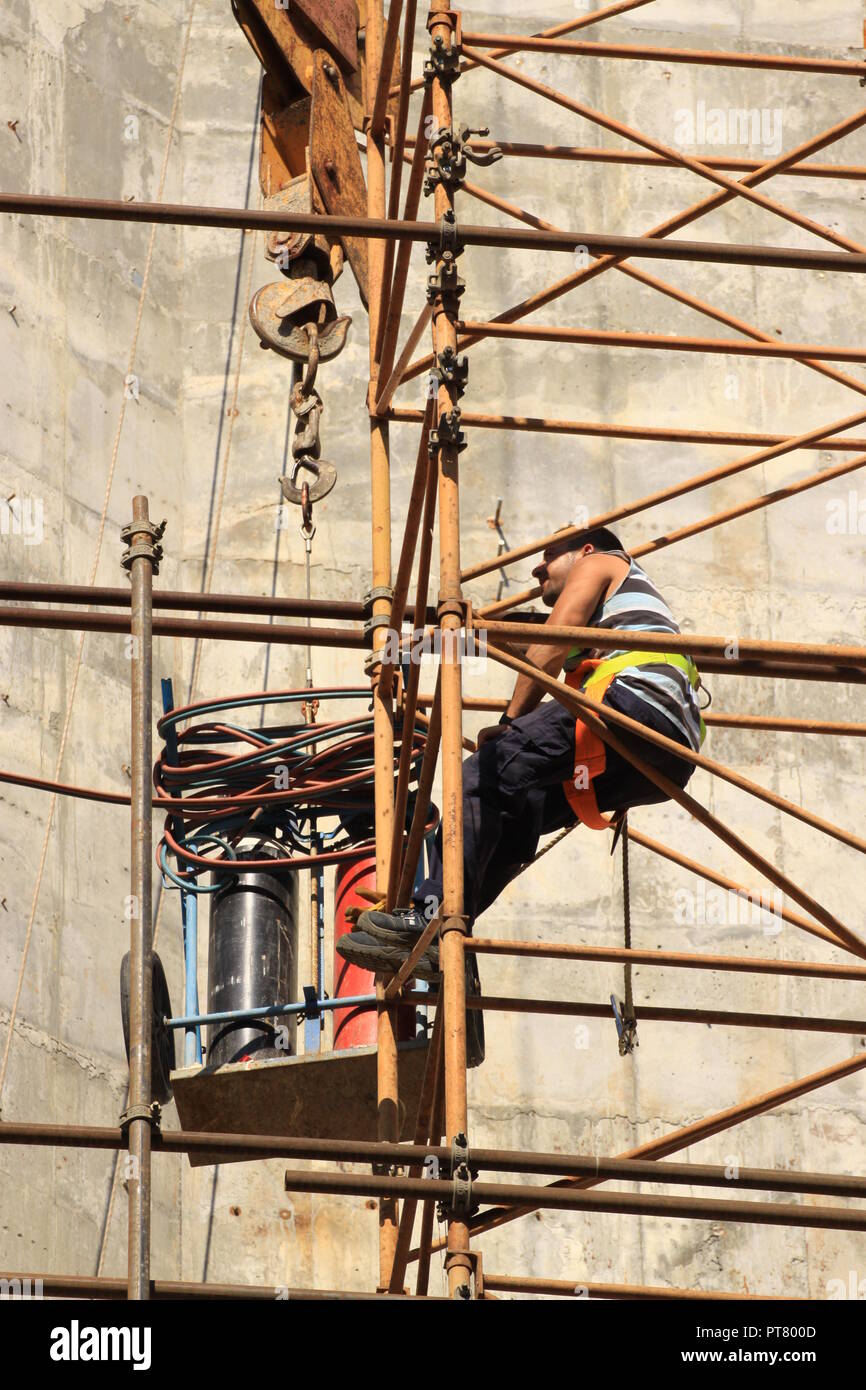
<point x="637" y="604"/>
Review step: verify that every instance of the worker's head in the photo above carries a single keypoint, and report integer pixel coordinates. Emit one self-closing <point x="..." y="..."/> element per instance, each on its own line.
<point x="560" y="556"/>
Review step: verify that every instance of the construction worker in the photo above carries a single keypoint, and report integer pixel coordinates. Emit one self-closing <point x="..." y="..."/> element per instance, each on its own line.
<point x="541" y="767"/>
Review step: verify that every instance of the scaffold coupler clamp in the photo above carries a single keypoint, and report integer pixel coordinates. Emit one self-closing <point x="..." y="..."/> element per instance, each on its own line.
<point x="383" y="1168"/>
<point x="444" y="59"/>
<point x="461" y="1174"/>
<point x="152" y="1113"/>
<point x="447" y="433"/>
<point x="372" y="621"/>
<point x="445" y="287"/>
<point x="451" y="372"/>
<point x="448" y="152"/>
<point x="147" y="550"/>
<point x="626" y="1027"/>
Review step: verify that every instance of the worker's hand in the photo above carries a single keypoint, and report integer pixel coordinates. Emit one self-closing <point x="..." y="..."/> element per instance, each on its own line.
<point x="492" y="731"/>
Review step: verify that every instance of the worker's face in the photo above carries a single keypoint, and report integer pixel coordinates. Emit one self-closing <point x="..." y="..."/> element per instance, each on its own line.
<point x="556" y="565"/>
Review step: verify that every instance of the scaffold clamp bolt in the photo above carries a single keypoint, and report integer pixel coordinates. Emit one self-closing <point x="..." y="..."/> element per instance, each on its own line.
<point x="151" y="1113"/>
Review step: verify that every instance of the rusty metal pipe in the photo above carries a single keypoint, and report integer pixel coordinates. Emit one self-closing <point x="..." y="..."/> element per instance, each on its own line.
<point x="141" y="567"/>
<point x="663" y="286"/>
<point x="340" y="1151"/>
<point x="442" y="25"/>
<point x="597" y="430"/>
<point x="397" y="142"/>
<point x="769" y="722"/>
<point x="554" y="1198"/>
<point x="348" y="609"/>
<point x="570" y="1008"/>
<point x="335" y="227"/>
<point x="68" y="1286"/>
<point x="694" y="644"/>
<point x="403" y="254"/>
<point x="76" y="620"/>
<point x="428" y="1108"/>
<point x="585" y="154"/>
<point x="425" y="1249"/>
<point x="411" y="530"/>
<point x="750" y="965"/>
<point x="422" y="799"/>
<point x="550" y="333"/>
<point x="401" y="794"/>
<point x="383" y="704"/>
<point x="384" y="67"/>
<point x="577" y="1288"/>
<point x="646" y="53"/>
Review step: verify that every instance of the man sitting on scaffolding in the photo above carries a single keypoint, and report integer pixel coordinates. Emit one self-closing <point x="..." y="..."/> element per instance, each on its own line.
<point x="541" y="767"/>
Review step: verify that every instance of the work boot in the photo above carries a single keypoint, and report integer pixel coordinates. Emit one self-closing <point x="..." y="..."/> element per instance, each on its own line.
<point x="384" y="940"/>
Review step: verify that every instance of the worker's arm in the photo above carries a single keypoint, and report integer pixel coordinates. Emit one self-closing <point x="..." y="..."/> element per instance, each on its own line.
<point x="576" y="604"/>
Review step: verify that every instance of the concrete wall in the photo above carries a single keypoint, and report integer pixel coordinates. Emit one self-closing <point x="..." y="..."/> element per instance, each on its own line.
<point x="91" y="86"/>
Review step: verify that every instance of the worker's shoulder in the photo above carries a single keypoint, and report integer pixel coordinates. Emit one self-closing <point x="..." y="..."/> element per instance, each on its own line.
<point x="603" y="564"/>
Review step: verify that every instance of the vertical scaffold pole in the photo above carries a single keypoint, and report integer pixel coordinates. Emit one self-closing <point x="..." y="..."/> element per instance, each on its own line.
<point x="383" y="706"/>
<point x="141" y="559"/>
<point x="443" y="27"/>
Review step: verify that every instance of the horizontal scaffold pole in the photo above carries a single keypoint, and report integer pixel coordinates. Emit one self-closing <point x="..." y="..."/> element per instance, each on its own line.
<point x="471" y="234"/>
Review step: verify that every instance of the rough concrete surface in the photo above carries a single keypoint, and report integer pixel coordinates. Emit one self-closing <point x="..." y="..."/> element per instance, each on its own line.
<point x="90" y="87"/>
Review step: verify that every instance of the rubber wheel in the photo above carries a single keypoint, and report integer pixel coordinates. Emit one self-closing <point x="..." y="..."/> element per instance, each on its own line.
<point x="162" y="1038"/>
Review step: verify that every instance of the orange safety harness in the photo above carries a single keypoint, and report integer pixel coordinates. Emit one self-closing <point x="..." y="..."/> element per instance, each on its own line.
<point x="590" y="752"/>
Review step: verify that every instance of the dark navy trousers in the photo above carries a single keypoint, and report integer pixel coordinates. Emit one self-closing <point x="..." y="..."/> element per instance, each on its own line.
<point x="512" y="794"/>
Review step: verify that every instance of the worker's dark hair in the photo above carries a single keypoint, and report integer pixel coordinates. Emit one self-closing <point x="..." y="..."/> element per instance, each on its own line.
<point x="597" y="536"/>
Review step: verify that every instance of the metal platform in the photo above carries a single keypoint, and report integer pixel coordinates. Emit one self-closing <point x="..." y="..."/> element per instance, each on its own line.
<point x="327" y="1095"/>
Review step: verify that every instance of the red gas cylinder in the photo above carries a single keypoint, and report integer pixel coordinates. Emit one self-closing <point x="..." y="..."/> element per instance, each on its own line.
<point x="357" y="1027"/>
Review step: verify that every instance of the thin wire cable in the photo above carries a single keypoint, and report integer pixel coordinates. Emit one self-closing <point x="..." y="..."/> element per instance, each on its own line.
<point x="25" y="951"/>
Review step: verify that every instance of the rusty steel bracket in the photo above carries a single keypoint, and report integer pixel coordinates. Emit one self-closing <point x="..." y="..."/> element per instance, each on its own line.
<point x="444" y="61"/>
<point x="448" y="152"/>
<point x="373" y="661"/>
<point x="455" y="921"/>
<point x="462" y="1175"/>
<point x="450" y="244"/>
<point x="373" y="620"/>
<point x="152" y="1113"/>
<point x="451" y="371"/>
<point x="147" y="550"/>
<point x="448" y="432"/>
<point x="445" y="289"/>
